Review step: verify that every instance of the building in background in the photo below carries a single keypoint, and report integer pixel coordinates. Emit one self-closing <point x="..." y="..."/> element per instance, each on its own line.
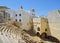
<point x="41" y="26"/>
<point x="24" y="17"/>
<point x="54" y="23"/>
<point x="4" y="15"/>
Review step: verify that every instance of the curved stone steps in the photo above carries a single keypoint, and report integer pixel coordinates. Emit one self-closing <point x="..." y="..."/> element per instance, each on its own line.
<point x="10" y="34"/>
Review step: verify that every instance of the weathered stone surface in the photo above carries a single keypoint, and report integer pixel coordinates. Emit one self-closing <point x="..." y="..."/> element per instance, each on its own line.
<point x="12" y="34"/>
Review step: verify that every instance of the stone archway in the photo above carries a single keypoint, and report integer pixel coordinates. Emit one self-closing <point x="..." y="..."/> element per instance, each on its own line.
<point x="43" y="35"/>
<point x="38" y="34"/>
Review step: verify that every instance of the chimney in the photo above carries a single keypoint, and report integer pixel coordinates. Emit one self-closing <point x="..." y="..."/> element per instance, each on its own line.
<point x="33" y="10"/>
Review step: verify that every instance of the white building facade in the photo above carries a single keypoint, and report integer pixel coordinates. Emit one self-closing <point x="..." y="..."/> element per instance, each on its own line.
<point x="23" y="16"/>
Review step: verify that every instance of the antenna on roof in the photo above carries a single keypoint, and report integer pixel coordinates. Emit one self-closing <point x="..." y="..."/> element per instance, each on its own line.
<point x="21" y="7"/>
<point x="33" y="10"/>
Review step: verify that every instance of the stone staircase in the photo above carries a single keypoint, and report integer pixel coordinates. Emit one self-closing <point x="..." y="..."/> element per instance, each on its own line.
<point x="10" y="34"/>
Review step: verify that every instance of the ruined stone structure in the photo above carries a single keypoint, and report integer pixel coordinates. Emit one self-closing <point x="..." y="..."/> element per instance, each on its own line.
<point x="4" y="15"/>
<point x="41" y="26"/>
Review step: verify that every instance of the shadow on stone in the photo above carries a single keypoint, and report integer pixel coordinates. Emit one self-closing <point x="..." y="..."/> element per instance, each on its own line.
<point x="30" y="32"/>
<point x="51" y="38"/>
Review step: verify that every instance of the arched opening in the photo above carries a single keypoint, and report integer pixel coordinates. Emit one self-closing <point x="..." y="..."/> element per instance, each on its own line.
<point x="38" y="34"/>
<point x="38" y="28"/>
<point x="43" y="35"/>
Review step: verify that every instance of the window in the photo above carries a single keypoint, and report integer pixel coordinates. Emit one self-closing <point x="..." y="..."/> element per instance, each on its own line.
<point x="15" y="19"/>
<point x="38" y="29"/>
<point x="16" y="15"/>
<point x="47" y="21"/>
<point x="20" y="20"/>
<point x="19" y="14"/>
<point x="45" y="29"/>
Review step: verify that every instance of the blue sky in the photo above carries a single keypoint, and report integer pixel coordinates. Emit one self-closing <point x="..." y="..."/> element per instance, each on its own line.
<point x="42" y="7"/>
